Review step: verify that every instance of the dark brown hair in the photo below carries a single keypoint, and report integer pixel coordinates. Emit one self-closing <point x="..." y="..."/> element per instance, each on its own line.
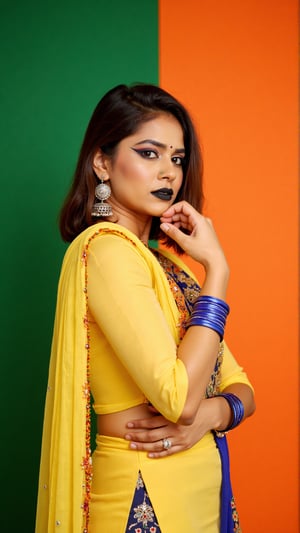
<point x="120" y="113"/>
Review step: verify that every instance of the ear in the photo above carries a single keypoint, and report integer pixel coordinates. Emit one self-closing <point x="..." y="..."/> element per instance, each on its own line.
<point x="101" y="165"/>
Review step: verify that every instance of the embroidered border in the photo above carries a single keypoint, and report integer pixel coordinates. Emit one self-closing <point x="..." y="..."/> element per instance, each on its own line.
<point x="185" y="291"/>
<point x="86" y="463"/>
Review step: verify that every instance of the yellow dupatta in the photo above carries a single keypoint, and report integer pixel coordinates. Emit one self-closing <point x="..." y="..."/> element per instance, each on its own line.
<point x="65" y="469"/>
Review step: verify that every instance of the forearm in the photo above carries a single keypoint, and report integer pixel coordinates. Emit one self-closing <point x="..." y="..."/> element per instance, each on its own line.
<point x="200" y="346"/>
<point x="213" y="414"/>
<point x="198" y="351"/>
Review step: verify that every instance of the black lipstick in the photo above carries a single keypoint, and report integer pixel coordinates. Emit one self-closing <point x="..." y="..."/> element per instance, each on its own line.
<point x="163" y="194"/>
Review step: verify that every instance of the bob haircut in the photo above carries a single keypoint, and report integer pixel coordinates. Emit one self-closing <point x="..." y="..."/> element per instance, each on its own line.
<point x="119" y="114"/>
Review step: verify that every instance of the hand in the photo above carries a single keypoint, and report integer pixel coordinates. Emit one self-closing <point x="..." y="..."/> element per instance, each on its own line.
<point x="148" y="434"/>
<point x="201" y="243"/>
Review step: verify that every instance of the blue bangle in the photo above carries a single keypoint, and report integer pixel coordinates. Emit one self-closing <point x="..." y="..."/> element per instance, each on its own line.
<point x="214" y="300"/>
<point x="210" y="312"/>
<point x="237" y="410"/>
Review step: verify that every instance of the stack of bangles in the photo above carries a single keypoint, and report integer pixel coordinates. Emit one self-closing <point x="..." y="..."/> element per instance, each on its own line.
<point x="237" y="412"/>
<point x="212" y="313"/>
<point x="209" y="312"/>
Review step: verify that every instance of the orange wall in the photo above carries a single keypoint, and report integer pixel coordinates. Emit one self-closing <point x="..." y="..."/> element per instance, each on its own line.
<point x="234" y="64"/>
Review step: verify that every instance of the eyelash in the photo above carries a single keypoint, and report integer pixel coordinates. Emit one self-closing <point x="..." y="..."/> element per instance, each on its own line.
<point x="145" y="154"/>
<point x="180" y="159"/>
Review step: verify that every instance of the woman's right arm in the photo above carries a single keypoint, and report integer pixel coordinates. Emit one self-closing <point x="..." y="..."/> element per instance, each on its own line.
<point x="199" y="347"/>
<point x="124" y="305"/>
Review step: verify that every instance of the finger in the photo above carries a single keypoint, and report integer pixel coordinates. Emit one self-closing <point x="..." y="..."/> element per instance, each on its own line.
<point x="188" y="221"/>
<point x="180" y="224"/>
<point x="147" y="423"/>
<point x="174" y="233"/>
<point x="176" y="217"/>
<point x="151" y="436"/>
<point x="182" y="207"/>
<point x="155" y="450"/>
<point x="165" y="453"/>
<point x="154" y="447"/>
<point x="178" y="221"/>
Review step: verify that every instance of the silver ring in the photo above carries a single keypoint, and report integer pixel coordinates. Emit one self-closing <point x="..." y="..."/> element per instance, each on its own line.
<point x="166" y="443"/>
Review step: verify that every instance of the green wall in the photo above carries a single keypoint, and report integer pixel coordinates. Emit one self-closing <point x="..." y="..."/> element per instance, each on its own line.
<point x="58" y="58"/>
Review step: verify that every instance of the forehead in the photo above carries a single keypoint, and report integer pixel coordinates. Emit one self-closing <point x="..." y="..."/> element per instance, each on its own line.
<point x="163" y="128"/>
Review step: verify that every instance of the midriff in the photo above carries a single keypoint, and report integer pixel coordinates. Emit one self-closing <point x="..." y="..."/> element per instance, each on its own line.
<point x="115" y="424"/>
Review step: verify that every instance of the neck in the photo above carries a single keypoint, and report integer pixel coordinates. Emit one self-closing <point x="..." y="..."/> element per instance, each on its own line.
<point x="139" y="226"/>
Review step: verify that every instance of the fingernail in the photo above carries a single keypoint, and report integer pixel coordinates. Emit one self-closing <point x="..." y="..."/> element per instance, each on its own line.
<point x="151" y="455"/>
<point x="164" y="226"/>
<point x="133" y="446"/>
<point x="130" y="425"/>
<point x="127" y="437"/>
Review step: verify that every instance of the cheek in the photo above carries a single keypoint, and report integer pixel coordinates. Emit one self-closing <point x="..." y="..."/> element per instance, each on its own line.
<point x="122" y="169"/>
<point x="130" y="171"/>
<point x="179" y="182"/>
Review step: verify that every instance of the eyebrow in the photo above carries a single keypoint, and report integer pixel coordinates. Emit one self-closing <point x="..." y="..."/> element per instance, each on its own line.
<point x="160" y="145"/>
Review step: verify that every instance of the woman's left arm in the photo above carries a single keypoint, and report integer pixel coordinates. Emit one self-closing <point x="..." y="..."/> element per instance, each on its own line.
<point x="213" y="414"/>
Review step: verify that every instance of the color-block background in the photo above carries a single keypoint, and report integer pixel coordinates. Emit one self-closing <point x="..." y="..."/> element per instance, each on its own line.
<point x="234" y="64"/>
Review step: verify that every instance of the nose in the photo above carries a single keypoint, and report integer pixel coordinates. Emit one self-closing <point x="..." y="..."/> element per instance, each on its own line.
<point x="168" y="171"/>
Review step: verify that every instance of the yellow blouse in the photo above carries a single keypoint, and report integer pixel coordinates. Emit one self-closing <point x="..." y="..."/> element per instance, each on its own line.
<point x="133" y="352"/>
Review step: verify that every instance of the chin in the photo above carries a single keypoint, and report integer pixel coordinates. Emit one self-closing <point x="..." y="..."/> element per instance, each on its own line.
<point x="158" y="212"/>
<point x="160" y="209"/>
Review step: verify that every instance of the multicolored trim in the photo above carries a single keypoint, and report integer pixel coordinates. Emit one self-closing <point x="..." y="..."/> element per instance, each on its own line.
<point x="235" y="517"/>
<point x="186" y="291"/>
<point x="86" y="463"/>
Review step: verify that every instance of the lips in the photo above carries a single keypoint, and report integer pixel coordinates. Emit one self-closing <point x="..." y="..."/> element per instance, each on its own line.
<point x="163" y="194"/>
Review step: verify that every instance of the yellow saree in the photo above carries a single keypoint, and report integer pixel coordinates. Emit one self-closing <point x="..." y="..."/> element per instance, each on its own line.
<point x="65" y="469"/>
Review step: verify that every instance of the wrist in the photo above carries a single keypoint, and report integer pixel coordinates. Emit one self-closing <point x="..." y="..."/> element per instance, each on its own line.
<point x="216" y="265"/>
<point x="236" y="410"/>
<point x="216" y="412"/>
<point x="222" y="414"/>
<point x="216" y="282"/>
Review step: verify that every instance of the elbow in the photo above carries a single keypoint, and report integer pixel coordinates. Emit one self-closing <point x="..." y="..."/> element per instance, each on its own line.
<point x="185" y="421"/>
<point x="249" y="402"/>
<point x="190" y="409"/>
<point x="252" y="407"/>
<point x="246" y="395"/>
<point x="187" y="416"/>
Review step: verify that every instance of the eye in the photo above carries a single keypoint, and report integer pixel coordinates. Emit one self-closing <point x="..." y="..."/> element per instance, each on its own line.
<point x="146" y="154"/>
<point x="178" y="160"/>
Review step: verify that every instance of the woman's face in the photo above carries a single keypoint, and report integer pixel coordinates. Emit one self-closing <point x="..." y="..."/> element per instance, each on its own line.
<point x="146" y="170"/>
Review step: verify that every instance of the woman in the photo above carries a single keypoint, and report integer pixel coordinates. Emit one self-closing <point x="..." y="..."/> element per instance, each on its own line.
<point x="133" y="330"/>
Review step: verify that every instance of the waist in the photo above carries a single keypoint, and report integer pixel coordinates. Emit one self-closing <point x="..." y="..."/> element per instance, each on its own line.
<point x="115" y="424"/>
<point x="118" y="447"/>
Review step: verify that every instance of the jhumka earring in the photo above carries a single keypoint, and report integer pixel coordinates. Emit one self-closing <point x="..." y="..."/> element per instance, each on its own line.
<point x="102" y="192"/>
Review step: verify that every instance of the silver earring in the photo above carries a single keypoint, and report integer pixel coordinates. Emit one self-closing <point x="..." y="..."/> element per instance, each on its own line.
<point x="102" y="192"/>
